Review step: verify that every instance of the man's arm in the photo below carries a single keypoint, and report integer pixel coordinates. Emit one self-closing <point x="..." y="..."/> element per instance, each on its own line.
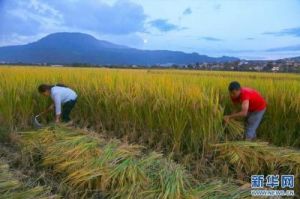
<point x="242" y="113"/>
<point x="50" y="108"/>
<point x="57" y="118"/>
<point x="235" y="108"/>
<point x="57" y="104"/>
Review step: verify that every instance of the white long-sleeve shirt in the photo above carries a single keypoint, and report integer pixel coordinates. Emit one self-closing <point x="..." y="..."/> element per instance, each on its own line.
<point x="61" y="95"/>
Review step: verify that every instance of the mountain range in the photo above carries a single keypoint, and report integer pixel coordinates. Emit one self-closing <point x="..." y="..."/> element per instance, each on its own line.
<point x="70" y="48"/>
<point x="295" y="59"/>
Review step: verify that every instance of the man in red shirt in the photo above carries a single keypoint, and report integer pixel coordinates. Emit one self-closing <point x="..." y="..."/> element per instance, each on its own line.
<point x="253" y="107"/>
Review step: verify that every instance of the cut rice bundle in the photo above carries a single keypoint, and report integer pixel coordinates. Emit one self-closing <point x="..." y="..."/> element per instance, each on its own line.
<point x="234" y="129"/>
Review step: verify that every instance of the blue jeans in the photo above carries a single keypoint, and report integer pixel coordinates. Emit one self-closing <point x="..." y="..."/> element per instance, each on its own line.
<point x="253" y="121"/>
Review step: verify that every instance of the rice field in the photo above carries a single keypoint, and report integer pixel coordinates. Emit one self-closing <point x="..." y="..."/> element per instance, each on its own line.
<point x="176" y="113"/>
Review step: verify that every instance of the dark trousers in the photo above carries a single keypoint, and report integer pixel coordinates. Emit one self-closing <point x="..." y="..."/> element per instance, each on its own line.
<point x="66" y="110"/>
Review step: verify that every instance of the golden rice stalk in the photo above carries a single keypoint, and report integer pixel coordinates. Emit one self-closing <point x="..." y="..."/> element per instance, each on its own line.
<point x="215" y="189"/>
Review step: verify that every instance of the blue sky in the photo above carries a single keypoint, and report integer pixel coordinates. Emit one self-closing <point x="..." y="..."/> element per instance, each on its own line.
<point x="252" y="29"/>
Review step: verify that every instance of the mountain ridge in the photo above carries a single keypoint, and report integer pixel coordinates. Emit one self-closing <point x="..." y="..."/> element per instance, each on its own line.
<point x="69" y="48"/>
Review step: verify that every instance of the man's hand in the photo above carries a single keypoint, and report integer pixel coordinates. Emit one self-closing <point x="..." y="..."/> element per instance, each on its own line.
<point x="57" y="119"/>
<point x="242" y="113"/>
<point x="226" y="118"/>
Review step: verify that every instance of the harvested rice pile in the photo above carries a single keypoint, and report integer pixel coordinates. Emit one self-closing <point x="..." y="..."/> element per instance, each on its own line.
<point x="253" y="158"/>
<point x="91" y="165"/>
<point x="12" y="188"/>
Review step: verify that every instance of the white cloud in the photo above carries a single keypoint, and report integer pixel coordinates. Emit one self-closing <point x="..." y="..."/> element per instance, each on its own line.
<point x="30" y="18"/>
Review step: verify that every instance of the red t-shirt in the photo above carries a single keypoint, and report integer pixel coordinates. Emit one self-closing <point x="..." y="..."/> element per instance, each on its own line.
<point x="256" y="101"/>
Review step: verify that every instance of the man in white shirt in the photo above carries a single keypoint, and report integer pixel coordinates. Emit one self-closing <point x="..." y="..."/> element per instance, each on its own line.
<point x="64" y="100"/>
